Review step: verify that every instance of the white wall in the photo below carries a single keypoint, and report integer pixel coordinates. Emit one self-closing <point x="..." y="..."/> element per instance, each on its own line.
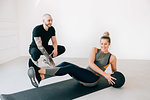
<point x="80" y="23"/>
<point x="8" y="30"/>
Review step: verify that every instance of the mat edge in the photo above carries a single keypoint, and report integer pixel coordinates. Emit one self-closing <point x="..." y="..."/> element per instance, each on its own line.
<point x="2" y="97"/>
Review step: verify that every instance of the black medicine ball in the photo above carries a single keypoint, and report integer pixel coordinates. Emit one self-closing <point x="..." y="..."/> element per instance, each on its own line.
<point x="120" y="79"/>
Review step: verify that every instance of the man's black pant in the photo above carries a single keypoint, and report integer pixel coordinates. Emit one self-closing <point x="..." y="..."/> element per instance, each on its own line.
<point x="36" y="53"/>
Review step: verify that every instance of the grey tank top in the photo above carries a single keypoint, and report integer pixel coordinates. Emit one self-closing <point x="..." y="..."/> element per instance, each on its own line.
<point x="101" y="60"/>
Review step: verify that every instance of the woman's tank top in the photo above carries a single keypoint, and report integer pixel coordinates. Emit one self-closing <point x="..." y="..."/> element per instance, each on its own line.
<point x="101" y="60"/>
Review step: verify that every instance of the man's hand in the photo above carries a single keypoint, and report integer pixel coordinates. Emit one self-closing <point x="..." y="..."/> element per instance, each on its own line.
<point x="54" y="52"/>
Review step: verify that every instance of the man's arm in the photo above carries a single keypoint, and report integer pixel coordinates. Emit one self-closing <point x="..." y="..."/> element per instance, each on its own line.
<point x="38" y="42"/>
<point x="54" y="43"/>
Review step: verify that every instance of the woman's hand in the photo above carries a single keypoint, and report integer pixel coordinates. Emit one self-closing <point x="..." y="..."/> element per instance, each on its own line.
<point x="109" y="78"/>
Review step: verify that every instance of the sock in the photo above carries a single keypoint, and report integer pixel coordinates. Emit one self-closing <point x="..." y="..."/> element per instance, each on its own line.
<point x="47" y="76"/>
<point x="52" y="71"/>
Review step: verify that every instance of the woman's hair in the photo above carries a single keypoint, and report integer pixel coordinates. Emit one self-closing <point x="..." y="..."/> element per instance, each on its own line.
<point x="106" y="36"/>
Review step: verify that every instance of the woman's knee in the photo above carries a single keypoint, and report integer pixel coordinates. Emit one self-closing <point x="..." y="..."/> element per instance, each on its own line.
<point x="73" y="68"/>
<point x="64" y="64"/>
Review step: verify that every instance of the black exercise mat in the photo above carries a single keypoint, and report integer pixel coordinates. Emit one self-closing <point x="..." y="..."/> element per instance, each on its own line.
<point x="64" y="90"/>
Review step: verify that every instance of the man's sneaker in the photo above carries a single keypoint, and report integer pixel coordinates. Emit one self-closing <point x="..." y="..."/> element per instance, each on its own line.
<point x="36" y="68"/>
<point x="32" y="76"/>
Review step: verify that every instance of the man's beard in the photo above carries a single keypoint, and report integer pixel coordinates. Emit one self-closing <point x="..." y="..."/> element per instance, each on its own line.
<point x="48" y="25"/>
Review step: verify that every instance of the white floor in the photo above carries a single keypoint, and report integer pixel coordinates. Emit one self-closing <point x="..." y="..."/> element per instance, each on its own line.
<point x="13" y="78"/>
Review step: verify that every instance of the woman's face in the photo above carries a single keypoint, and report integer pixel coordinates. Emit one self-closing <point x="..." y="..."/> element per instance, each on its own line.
<point x="104" y="44"/>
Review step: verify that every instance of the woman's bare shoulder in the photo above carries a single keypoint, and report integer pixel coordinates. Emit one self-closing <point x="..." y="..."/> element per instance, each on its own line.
<point x="112" y="58"/>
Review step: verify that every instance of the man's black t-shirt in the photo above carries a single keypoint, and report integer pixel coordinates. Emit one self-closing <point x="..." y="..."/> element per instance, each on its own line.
<point x="39" y="31"/>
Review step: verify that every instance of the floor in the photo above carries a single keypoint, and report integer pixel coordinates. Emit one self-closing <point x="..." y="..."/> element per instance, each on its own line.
<point x="13" y="78"/>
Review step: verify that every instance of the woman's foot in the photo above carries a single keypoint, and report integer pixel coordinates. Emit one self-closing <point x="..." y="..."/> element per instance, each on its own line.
<point x="42" y="71"/>
<point x="42" y="76"/>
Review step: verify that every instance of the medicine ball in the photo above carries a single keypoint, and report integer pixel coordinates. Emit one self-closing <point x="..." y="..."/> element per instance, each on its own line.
<point x="120" y="79"/>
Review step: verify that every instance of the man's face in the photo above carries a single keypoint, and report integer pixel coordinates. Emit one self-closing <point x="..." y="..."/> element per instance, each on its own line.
<point x="48" y="21"/>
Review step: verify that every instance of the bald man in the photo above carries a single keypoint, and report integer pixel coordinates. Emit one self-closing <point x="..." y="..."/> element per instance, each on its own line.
<point x="40" y="38"/>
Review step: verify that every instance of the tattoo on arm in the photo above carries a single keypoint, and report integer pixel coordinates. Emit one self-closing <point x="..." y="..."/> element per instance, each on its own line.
<point x="38" y="42"/>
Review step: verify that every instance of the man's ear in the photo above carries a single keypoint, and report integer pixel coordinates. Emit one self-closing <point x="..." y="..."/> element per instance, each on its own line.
<point x="43" y="21"/>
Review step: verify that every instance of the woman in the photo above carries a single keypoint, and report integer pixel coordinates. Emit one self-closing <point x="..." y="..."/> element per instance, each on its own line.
<point x="99" y="60"/>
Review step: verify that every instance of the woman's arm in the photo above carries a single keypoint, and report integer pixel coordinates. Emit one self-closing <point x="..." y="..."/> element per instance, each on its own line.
<point x="113" y="60"/>
<point x="91" y="63"/>
<point x="93" y="66"/>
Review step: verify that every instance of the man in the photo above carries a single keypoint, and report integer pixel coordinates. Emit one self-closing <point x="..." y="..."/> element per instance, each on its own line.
<point x="40" y="38"/>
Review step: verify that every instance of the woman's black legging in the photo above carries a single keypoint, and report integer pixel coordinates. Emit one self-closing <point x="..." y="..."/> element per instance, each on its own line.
<point x="76" y="72"/>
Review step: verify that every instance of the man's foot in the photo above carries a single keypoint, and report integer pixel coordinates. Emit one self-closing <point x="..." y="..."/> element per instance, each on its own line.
<point x="32" y="76"/>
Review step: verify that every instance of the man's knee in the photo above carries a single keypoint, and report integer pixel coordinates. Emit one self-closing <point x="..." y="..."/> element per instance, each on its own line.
<point x="35" y="54"/>
<point x="61" y="49"/>
<point x="35" y="57"/>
